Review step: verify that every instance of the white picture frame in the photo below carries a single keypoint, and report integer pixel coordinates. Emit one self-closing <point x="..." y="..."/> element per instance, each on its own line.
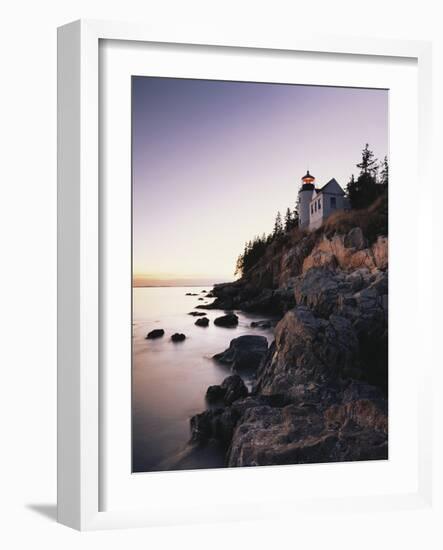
<point x="79" y="253"/>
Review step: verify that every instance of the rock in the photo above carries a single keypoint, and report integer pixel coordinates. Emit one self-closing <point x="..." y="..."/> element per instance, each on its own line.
<point x="201" y="298"/>
<point x="213" y="424"/>
<point x="244" y="353"/>
<point x="178" y="337"/>
<point x="191" y="294"/>
<point x="197" y="313"/>
<point x="215" y="394"/>
<point x="318" y="289"/>
<point x="156" y="333"/>
<point x="307" y="349"/>
<point x="269" y="302"/>
<point x="380" y="252"/>
<point x="234" y="389"/>
<point x="355" y="239"/>
<point x="231" y="389"/>
<point x="320" y="258"/>
<point x="295" y="434"/>
<point x="320" y="389"/>
<point x="350" y="252"/>
<point x="229" y="320"/>
<point x="203" y="322"/>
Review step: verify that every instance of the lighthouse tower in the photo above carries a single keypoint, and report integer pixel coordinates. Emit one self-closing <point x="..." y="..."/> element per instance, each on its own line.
<point x="305" y="195"/>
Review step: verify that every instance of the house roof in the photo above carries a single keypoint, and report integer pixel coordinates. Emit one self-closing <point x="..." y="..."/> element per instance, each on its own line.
<point x="331" y="187"/>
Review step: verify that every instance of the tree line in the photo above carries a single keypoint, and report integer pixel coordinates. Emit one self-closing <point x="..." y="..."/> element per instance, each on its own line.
<point x="371" y="183"/>
<point x="255" y="248"/>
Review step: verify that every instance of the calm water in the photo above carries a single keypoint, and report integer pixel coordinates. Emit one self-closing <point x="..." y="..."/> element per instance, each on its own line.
<point x="170" y="379"/>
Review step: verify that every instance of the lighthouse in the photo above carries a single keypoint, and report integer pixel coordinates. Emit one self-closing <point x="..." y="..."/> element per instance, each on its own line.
<point x="316" y="204"/>
<point x="305" y="196"/>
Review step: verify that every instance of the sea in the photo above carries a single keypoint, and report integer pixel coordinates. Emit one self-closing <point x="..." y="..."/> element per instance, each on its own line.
<point x="169" y="380"/>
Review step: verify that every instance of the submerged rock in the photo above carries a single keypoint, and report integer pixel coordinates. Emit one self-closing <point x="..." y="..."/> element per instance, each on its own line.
<point x="229" y="320"/>
<point x="244" y="352"/>
<point x="197" y="313"/>
<point x="203" y="322"/>
<point x="178" y="337"/>
<point x="156" y="333"/>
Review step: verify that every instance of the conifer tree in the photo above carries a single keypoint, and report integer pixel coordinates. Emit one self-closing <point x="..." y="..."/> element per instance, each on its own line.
<point x="363" y="191"/>
<point x="288" y="220"/>
<point x="295" y="216"/>
<point x="278" y="226"/>
<point x="368" y="164"/>
<point x="384" y="174"/>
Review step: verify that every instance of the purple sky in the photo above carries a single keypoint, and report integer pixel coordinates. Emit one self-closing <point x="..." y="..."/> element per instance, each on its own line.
<point x="213" y="161"/>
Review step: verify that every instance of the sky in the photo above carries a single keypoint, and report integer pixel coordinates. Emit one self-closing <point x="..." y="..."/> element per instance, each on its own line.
<point x="214" y="161"/>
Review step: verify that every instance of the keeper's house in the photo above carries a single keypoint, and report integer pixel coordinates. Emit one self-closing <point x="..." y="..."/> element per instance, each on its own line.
<point x="316" y="204"/>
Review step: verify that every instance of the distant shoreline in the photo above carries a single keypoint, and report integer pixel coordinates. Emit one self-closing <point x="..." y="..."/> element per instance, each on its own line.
<point x="172" y="286"/>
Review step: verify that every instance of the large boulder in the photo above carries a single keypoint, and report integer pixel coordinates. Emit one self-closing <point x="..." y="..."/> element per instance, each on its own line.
<point x="307" y="349"/>
<point x="244" y="353"/>
<point x="319" y="288"/>
<point x="178" y="337"/>
<point x="156" y="333"/>
<point x="230" y="320"/>
<point x="202" y="322"/>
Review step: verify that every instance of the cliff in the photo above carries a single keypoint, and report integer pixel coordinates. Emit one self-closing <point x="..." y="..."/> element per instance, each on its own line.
<point x="321" y="388"/>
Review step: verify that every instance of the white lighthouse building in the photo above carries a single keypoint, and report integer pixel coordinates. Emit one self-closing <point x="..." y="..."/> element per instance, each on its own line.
<point x="316" y="204"/>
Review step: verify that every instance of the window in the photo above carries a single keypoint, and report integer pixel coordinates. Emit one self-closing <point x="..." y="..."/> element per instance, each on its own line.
<point x="319" y="204"/>
<point x="312" y="208"/>
<point x="315" y="206"/>
<point x="333" y="202"/>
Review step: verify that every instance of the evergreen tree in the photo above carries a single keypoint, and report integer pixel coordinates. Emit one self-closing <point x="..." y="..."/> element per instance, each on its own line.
<point x="288" y="220"/>
<point x="278" y="226"/>
<point x="351" y="190"/>
<point x="384" y="174"/>
<point x="363" y="191"/>
<point x="295" y="216"/>
<point x="368" y="164"/>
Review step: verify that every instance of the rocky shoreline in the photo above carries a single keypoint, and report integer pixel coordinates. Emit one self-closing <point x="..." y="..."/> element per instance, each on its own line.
<point x="320" y="391"/>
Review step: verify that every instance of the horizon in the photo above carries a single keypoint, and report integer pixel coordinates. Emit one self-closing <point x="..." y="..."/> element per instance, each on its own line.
<point x="213" y="162"/>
